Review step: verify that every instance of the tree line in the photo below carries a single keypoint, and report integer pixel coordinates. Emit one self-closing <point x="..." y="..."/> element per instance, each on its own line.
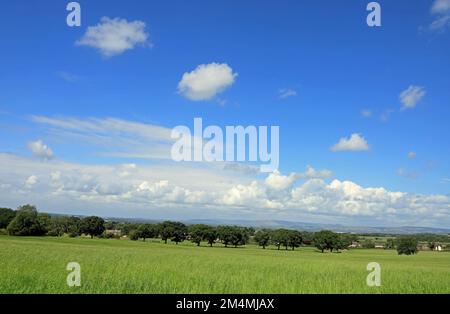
<point x="27" y="221"/>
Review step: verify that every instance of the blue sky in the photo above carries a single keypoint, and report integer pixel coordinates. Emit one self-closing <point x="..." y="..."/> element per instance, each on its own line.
<point x="323" y="53"/>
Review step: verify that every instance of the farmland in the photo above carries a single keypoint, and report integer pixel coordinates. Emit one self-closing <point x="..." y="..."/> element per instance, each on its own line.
<point x="38" y="265"/>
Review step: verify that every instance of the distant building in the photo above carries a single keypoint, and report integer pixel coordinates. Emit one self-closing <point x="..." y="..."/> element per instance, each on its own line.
<point x="114" y="232"/>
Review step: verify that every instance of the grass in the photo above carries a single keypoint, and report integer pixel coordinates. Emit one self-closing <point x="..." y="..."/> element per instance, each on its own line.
<point x="38" y="265"/>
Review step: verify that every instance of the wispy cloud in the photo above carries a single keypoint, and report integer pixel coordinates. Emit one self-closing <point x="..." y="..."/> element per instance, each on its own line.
<point x="411" y="96"/>
<point x="284" y="93"/>
<point x="407" y="174"/>
<point x="440" y="9"/>
<point x="366" y="113"/>
<point x="111" y="136"/>
<point x="68" y="77"/>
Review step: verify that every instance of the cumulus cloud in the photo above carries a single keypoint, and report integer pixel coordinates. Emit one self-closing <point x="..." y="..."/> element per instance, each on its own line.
<point x="440" y="9"/>
<point x="152" y="187"/>
<point x="31" y="181"/>
<point x="286" y="93"/>
<point x="39" y="149"/>
<point x="112" y="37"/>
<point x="278" y="181"/>
<point x="312" y="173"/>
<point x="206" y="81"/>
<point x="356" y="142"/>
<point x="411" y="96"/>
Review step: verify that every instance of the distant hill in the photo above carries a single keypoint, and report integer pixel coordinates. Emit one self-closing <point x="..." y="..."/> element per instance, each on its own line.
<point x="318" y="226"/>
<point x="304" y="226"/>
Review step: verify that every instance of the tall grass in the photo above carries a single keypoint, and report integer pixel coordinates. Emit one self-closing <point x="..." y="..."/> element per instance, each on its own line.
<point x="38" y="265"/>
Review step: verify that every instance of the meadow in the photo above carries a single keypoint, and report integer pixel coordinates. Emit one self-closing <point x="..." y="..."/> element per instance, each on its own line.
<point x="38" y="265"/>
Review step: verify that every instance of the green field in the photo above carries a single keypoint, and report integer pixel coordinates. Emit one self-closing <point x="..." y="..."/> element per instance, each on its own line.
<point x="38" y="265"/>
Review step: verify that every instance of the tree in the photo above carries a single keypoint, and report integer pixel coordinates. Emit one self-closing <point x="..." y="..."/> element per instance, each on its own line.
<point x="93" y="226"/>
<point x="166" y="230"/>
<point x="368" y="244"/>
<point x="126" y="228"/>
<point x="225" y="234"/>
<point x="147" y="231"/>
<point x="325" y="240"/>
<point x="307" y="237"/>
<point x="210" y="235"/>
<point x="175" y="231"/>
<point x="407" y="246"/>
<point x="197" y="233"/>
<point x="262" y="237"/>
<point x="179" y="233"/>
<point x="280" y="237"/>
<point x="45" y="221"/>
<point x="340" y="243"/>
<point x="294" y="239"/>
<point x="390" y="244"/>
<point x="6" y="216"/>
<point x="233" y="235"/>
<point x="72" y="226"/>
<point x="56" y="226"/>
<point x="133" y="235"/>
<point x="26" y="222"/>
<point x="239" y="236"/>
<point x="346" y="239"/>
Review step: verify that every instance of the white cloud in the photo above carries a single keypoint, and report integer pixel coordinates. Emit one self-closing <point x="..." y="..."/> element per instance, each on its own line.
<point x="412" y="155"/>
<point x="39" y="149"/>
<point x="112" y="37"/>
<point x="440" y="23"/>
<point x="113" y="137"/>
<point x="286" y="93"/>
<point x="441" y="10"/>
<point x="31" y="181"/>
<point x="411" y="96"/>
<point x="355" y="142"/>
<point x="440" y="7"/>
<point x="206" y="81"/>
<point x="154" y="190"/>
<point x="312" y="173"/>
<point x="277" y="181"/>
